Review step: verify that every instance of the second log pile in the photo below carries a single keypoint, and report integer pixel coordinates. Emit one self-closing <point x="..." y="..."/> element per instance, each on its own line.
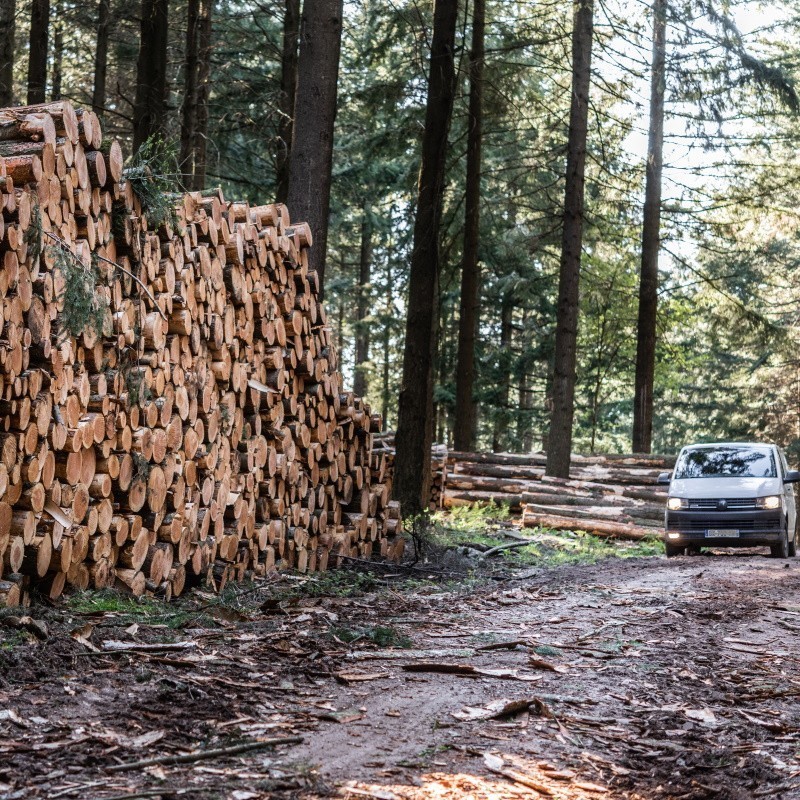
<point x="194" y="426"/>
<point x="613" y="495"/>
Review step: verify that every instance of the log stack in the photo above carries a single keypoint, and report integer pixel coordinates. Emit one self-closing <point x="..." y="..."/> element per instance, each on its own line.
<point x="608" y="495"/>
<point x="194" y="426"/>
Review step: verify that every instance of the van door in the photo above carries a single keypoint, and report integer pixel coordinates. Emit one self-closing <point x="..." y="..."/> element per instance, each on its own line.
<point x="788" y="493"/>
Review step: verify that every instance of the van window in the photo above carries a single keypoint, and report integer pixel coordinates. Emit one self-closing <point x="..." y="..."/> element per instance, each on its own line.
<point x="727" y="462"/>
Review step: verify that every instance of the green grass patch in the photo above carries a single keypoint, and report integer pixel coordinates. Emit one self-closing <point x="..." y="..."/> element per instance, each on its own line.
<point x="381" y="635"/>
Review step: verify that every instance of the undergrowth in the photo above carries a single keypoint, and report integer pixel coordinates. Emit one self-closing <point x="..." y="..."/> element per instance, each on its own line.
<point x="482" y="526"/>
<point x="154" y="177"/>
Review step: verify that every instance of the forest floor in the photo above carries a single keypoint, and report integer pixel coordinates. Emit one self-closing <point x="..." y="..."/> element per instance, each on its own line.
<point x="625" y="678"/>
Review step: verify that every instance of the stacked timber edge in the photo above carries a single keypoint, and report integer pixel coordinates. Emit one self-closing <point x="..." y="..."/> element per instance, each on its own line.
<point x="607" y="495"/>
<point x="170" y="407"/>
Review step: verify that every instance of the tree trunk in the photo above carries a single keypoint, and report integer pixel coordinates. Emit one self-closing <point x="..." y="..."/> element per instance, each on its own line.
<point x="189" y="108"/>
<point x="205" y="49"/>
<point x="101" y="57"/>
<point x="37" y="54"/>
<point x="311" y="158"/>
<point x="387" y="344"/>
<point x="651" y="241"/>
<point x="58" y="55"/>
<point x="560" y="435"/>
<point x="414" y="428"/>
<point x="149" y="109"/>
<point x="8" y="10"/>
<point x="291" y="27"/>
<point x="464" y="428"/>
<point x="362" y="309"/>
<point x="525" y="404"/>
<point x="500" y="432"/>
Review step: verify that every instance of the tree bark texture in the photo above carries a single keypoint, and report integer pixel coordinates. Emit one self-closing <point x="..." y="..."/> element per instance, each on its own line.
<point x="311" y="158"/>
<point x="37" y="53"/>
<point x="500" y="431"/>
<point x="151" y="72"/>
<point x="205" y="48"/>
<point x="58" y="54"/>
<point x="651" y="242"/>
<point x="189" y="107"/>
<point x="362" y="307"/>
<point x="8" y="10"/>
<point x="464" y="427"/>
<point x="101" y="57"/>
<point x="291" y="29"/>
<point x="415" y="420"/>
<point x="560" y="435"/>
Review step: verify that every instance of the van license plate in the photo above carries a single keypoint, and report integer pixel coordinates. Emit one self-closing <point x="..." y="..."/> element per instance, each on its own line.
<point x="713" y="533"/>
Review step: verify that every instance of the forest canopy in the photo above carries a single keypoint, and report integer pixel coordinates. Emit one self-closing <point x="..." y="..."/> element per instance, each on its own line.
<point x="729" y="242"/>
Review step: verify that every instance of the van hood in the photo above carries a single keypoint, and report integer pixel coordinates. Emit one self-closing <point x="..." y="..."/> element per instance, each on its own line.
<point x="695" y="488"/>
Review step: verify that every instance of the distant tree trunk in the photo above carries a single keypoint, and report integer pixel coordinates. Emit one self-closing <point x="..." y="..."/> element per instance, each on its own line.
<point x="464" y="427"/>
<point x="311" y="158"/>
<point x="415" y="421"/>
<point x="387" y="344"/>
<point x="560" y="435"/>
<point x="101" y="57"/>
<point x="291" y="29"/>
<point x="524" y="432"/>
<point x="149" y="109"/>
<point x="189" y="107"/>
<point x="37" y="53"/>
<point x="362" y="309"/>
<point x="205" y="49"/>
<point x="500" y="431"/>
<point x="8" y="10"/>
<point x="651" y="242"/>
<point x="58" y="54"/>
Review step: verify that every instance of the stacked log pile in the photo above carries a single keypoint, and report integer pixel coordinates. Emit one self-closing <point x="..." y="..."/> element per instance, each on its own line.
<point x="439" y="461"/>
<point x="170" y="406"/>
<point x="612" y="495"/>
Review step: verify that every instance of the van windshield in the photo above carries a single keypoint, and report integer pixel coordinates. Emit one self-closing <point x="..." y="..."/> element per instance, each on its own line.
<point x="727" y="462"/>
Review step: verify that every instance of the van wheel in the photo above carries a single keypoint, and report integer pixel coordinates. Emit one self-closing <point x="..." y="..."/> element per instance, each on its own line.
<point x="781" y="549"/>
<point x="673" y="550"/>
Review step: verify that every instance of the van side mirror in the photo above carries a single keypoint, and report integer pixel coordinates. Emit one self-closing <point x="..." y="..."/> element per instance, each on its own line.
<point x="792" y="476"/>
<point x="665" y="477"/>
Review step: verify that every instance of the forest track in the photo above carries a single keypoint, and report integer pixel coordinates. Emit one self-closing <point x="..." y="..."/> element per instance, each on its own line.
<point x="643" y="678"/>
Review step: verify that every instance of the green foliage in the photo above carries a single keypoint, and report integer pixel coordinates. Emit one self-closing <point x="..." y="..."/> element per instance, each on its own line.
<point x="84" y="306"/>
<point x="153" y="173"/>
<point x="142" y="467"/>
<point x="380" y="635"/>
<point x="34" y="234"/>
<point x="134" y="382"/>
<point x="108" y="601"/>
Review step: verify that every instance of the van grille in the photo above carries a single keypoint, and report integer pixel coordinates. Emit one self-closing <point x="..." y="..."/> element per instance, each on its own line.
<point x="724" y="504"/>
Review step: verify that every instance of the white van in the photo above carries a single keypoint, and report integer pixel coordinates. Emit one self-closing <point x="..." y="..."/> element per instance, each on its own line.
<point x="731" y="494"/>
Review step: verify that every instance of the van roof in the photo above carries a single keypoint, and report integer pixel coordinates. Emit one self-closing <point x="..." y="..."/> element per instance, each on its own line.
<point x="727" y="444"/>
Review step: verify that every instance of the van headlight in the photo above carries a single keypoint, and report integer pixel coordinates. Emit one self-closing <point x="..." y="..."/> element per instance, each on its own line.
<point x="677" y="503"/>
<point x="773" y="501"/>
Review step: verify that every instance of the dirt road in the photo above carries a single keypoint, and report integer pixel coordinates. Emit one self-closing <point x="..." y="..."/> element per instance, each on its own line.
<point x="641" y="678"/>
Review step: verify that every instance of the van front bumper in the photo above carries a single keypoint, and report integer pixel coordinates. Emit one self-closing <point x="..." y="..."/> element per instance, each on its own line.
<point x="709" y="527"/>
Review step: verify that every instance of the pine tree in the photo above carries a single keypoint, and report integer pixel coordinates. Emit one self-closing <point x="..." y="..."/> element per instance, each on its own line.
<point x="559" y="448"/>
<point x="37" y="52"/>
<point x="415" y="411"/>
<point x="651" y="242"/>
<point x="311" y="160"/>
<point x="149" y="111"/>
<point x="8" y="11"/>
<point x="464" y="427"/>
